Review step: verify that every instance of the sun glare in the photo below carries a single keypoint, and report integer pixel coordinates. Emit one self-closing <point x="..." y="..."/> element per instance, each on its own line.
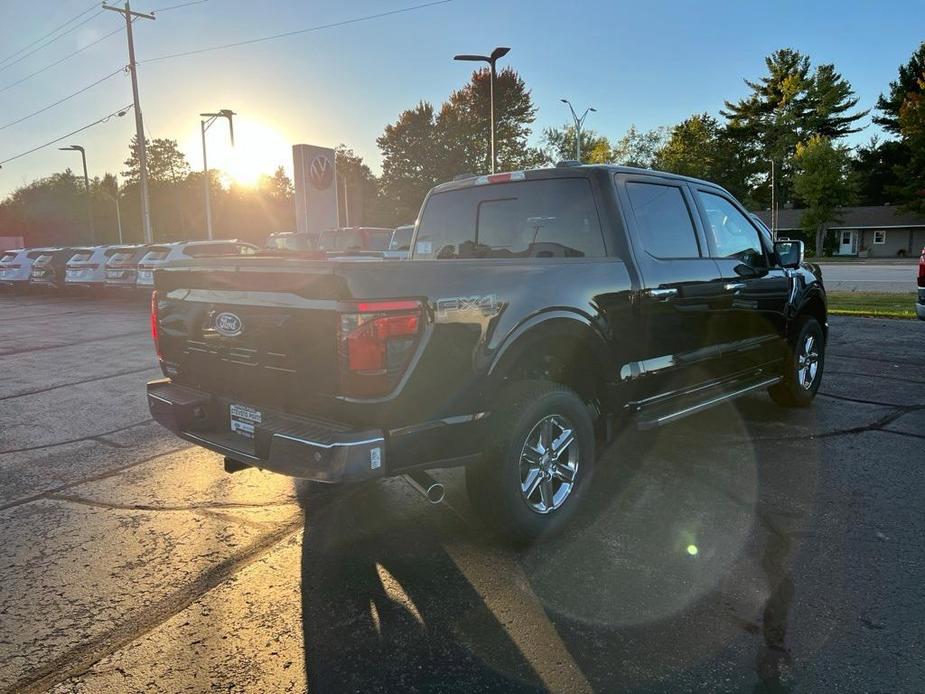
<point x="258" y="150"/>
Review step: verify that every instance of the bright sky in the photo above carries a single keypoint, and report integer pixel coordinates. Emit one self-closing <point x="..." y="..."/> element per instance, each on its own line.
<point x="651" y="63"/>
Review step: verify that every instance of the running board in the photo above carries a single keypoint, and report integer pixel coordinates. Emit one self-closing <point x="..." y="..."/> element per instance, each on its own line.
<point x="657" y="420"/>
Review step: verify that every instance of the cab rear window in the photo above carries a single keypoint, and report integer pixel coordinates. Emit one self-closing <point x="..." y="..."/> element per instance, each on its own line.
<point x="80" y="257"/>
<point x="551" y="218"/>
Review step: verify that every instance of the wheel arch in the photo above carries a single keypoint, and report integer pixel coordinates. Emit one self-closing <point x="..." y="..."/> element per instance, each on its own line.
<point x="561" y="346"/>
<point x="814" y="304"/>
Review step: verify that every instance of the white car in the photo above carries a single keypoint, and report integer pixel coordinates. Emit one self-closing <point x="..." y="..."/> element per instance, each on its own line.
<point x="16" y="266"/>
<point x="160" y="254"/>
<point x="87" y="268"/>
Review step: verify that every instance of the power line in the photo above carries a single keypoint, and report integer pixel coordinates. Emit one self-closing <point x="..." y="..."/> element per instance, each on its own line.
<point x="176" y="7"/>
<point x="43" y="37"/>
<point x="61" y="101"/>
<point x="120" y="112"/>
<point x="50" y="41"/>
<point x="58" y="62"/>
<point x="344" y="22"/>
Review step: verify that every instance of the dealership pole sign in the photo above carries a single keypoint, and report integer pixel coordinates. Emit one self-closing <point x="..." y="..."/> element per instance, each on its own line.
<point x="315" y="188"/>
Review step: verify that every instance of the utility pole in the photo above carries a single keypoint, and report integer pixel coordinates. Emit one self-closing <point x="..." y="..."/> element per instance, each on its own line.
<point x="139" y="122"/>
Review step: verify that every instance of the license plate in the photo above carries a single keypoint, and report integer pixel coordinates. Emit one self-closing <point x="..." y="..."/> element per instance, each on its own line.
<point x="145" y="275"/>
<point x="114" y="274"/>
<point x="243" y="419"/>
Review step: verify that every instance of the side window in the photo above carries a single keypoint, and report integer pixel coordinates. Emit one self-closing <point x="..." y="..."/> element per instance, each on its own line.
<point x="551" y="218"/>
<point x="732" y="235"/>
<point x="663" y="219"/>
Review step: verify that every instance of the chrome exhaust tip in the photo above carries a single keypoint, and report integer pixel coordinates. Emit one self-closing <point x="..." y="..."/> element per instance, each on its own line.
<point x="426" y="486"/>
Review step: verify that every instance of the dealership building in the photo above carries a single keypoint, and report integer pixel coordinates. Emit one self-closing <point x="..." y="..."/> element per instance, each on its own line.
<point x="881" y="231"/>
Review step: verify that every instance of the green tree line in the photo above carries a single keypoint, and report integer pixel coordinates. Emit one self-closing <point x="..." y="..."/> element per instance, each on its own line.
<point x="795" y="117"/>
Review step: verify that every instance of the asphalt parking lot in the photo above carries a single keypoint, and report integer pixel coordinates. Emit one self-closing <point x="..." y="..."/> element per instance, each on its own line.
<point x="749" y="548"/>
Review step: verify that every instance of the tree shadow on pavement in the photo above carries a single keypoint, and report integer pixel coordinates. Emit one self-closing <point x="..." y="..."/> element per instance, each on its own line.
<point x="673" y="579"/>
<point x="385" y="608"/>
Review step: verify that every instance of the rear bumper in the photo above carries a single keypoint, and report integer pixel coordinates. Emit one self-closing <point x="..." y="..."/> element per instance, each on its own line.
<point x="295" y="446"/>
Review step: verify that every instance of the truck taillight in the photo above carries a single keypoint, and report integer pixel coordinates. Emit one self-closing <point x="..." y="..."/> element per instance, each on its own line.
<point x="154" y="330"/>
<point x="376" y="341"/>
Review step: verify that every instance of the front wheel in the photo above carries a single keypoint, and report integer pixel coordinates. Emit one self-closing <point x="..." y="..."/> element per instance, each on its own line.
<point x="803" y="367"/>
<point x="538" y="464"/>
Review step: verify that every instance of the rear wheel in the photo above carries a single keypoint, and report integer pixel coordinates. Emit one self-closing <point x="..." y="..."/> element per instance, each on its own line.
<point x="803" y="367"/>
<point x="538" y="463"/>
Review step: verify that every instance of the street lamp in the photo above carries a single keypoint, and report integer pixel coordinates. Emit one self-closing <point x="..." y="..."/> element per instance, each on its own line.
<point x="115" y="199"/>
<point x="499" y="52"/>
<point x="773" y="201"/>
<point x="204" y="124"/>
<point x="83" y="158"/>
<point x="578" y="123"/>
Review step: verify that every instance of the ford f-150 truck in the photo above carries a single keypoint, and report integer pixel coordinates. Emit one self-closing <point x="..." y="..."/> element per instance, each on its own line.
<point x="540" y="311"/>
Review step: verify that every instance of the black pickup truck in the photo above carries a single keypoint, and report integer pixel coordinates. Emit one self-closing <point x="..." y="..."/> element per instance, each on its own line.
<point x="539" y="312"/>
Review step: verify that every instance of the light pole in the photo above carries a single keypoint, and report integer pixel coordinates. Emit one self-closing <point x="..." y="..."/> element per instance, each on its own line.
<point x="773" y="202"/>
<point x="499" y="52"/>
<point x="204" y="125"/>
<point x="578" y="123"/>
<point x="115" y="199"/>
<point x="83" y="158"/>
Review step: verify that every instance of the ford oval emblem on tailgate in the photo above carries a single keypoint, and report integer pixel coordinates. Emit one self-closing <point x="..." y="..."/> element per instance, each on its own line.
<point x="228" y="324"/>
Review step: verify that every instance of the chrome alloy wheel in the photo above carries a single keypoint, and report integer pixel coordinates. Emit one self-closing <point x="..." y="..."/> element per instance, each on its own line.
<point x="549" y="464"/>
<point x="808" y="363"/>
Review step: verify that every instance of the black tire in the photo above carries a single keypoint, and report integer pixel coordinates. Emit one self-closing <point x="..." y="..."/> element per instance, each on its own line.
<point x="495" y="484"/>
<point x="793" y="391"/>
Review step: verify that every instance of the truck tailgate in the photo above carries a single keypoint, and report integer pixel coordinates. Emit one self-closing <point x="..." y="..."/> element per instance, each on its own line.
<point x="259" y="330"/>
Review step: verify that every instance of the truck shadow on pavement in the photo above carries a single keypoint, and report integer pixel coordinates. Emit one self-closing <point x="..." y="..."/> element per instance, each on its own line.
<point x="678" y="577"/>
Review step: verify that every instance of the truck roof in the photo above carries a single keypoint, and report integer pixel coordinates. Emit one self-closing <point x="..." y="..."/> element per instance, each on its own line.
<point x="561" y="170"/>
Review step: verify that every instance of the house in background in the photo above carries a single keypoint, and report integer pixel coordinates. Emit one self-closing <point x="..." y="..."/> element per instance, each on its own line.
<point x="877" y="231"/>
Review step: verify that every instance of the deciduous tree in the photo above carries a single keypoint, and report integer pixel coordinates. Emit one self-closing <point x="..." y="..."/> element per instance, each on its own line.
<point x="821" y="179"/>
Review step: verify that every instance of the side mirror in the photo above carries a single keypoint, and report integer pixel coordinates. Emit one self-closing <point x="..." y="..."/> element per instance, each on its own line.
<point x="789" y="252"/>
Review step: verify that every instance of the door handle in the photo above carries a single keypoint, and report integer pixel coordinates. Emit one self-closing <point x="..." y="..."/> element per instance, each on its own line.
<point x="661" y="294"/>
<point x="734" y="286"/>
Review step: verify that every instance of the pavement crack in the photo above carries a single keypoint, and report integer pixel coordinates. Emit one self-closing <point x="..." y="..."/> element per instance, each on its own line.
<point x="885" y="377"/>
<point x="204" y="506"/>
<point x="81" y="658"/>
<point x="861" y="401"/>
<point x="77" y="440"/>
<point x="95" y="478"/>
<point x="77" y="383"/>
<point x="107" y="338"/>
<point x="78" y="660"/>
<point x="841" y="355"/>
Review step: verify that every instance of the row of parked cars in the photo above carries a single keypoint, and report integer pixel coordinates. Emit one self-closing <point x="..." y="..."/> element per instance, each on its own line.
<point x="116" y="267"/>
<point x="131" y="266"/>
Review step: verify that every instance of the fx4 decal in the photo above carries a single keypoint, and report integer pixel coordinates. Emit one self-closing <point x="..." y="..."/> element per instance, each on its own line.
<point x="485" y="305"/>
